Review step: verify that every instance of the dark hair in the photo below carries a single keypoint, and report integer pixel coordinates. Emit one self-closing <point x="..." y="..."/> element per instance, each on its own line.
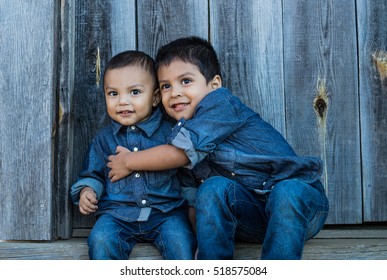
<point x="132" y="58"/>
<point x="193" y="50"/>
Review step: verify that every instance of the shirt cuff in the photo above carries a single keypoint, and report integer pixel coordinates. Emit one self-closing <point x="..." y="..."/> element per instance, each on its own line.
<point x="76" y="189"/>
<point x="180" y="138"/>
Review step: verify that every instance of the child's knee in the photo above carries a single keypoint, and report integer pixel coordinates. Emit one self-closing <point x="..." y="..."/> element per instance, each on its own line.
<point x="101" y="238"/>
<point x="213" y="186"/>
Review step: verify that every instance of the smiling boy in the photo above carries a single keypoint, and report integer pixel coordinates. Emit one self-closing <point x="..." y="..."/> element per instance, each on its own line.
<point x="145" y="206"/>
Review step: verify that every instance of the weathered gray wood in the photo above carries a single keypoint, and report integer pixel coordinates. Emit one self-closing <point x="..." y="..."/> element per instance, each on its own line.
<point x="160" y="22"/>
<point x="372" y="30"/>
<point x="103" y="28"/>
<point x="320" y="59"/>
<point x="64" y="128"/>
<point x="28" y="49"/>
<point x="248" y="38"/>
<point x="362" y="243"/>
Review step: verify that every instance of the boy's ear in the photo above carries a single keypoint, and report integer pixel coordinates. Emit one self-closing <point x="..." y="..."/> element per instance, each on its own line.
<point x="216" y="82"/>
<point x="156" y="97"/>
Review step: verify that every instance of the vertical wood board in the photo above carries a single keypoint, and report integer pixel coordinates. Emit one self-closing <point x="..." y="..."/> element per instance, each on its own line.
<point x="63" y="179"/>
<point x="247" y="36"/>
<point x="161" y="21"/>
<point x="27" y="105"/>
<point x="320" y="60"/>
<point x="372" y="30"/>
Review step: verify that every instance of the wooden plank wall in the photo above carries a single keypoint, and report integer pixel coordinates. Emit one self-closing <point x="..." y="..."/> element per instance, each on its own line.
<point x="373" y="105"/>
<point x="28" y="80"/>
<point x="314" y="69"/>
<point x="278" y="56"/>
<point x="320" y="60"/>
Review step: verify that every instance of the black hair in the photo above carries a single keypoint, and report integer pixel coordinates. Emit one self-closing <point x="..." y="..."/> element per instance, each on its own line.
<point x="132" y="58"/>
<point x="194" y="50"/>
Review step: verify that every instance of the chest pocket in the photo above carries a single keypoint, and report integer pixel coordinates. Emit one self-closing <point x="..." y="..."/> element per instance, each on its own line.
<point x="116" y="187"/>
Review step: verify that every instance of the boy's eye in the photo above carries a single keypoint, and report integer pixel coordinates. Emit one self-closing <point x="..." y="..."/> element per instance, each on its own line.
<point x="112" y="93"/>
<point x="164" y="86"/>
<point x="135" y="92"/>
<point x="185" y="81"/>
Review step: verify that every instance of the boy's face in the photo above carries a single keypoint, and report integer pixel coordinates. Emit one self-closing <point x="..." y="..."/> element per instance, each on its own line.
<point x="129" y="94"/>
<point x="182" y="87"/>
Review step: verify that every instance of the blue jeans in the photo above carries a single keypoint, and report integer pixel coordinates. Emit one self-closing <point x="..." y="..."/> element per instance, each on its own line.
<point x="170" y="232"/>
<point x="283" y="220"/>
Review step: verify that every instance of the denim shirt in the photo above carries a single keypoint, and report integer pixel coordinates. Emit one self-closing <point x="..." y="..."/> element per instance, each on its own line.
<point x="225" y="137"/>
<point x="131" y="198"/>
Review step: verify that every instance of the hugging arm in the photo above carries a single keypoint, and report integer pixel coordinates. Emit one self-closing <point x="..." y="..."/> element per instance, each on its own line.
<point x="154" y="159"/>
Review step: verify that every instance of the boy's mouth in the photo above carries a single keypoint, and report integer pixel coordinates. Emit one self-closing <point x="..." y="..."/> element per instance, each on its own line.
<point x="125" y="112"/>
<point x="179" y="106"/>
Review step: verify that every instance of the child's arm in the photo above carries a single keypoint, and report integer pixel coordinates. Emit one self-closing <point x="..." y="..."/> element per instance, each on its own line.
<point x="88" y="201"/>
<point x="154" y="159"/>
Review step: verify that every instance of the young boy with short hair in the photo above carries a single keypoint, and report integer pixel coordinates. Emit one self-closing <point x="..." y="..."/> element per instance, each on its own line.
<point x="145" y="206"/>
<point x="254" y="186"/>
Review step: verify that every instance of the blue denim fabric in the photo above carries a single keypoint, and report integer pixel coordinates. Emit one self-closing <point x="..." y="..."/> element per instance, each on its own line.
<point x="226" y="211"/>
<point x="114" y="239"/>
<point x="240" y="145"/>
<point x="129" y="199"/>
<point x="266" y="193"/>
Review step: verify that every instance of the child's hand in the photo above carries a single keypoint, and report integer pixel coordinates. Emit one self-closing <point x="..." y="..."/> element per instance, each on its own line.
<point x="87" y="201"/>
<point x="117" y="164"/>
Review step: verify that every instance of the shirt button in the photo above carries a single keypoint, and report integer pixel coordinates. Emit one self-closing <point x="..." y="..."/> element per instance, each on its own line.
<point x="137" y="175"/>
<point x="132" y="127"/>
<point x="264" y="183"/>
<point x="135" y="149"/>
<point x="143" y="202"/>
<point x="179" y="124"/>
<point x="232" y="174"/>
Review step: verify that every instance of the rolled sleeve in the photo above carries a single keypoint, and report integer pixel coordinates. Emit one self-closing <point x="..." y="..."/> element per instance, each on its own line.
<point x="181" y="139"/>
<point x="76" y="189"/>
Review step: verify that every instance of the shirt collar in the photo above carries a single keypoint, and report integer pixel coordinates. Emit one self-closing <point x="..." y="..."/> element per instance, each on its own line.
<point x="149" y="126"/>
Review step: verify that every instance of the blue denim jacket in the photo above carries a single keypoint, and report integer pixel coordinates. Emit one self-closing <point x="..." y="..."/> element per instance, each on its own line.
<point x="225" y="137"/>
<point x="131" y="198"/>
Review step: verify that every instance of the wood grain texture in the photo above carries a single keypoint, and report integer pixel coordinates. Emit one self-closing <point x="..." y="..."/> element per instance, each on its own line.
<point x="247" y="36"/>
<point x="357" y="243"/>
<point x="372" y="30"/>
<point x="320" y="57"/>
<point x="315" y="70"/>
<point x="161" y="21"/>
<point x="27" y="106"/>
<point x="64" y="131"/>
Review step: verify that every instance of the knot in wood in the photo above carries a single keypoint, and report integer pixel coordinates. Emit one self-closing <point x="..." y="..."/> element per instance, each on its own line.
<point x="320" y="106"/>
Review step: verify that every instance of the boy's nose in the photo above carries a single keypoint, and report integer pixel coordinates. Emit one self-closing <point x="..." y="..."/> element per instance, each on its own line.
<point x="124" y="99"/>
<point x="176" y="91"/>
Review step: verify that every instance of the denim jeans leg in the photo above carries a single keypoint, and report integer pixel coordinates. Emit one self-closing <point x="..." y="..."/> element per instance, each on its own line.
<point x="297" y="211"/>
<point x="175" y="238"/>
<point x="226" y="210"/>
<point x="108" y="241"/>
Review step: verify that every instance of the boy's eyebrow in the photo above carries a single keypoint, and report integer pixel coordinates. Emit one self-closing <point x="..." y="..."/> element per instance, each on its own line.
<point x="131" y="86"/>
<point x="180" y="76"/>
